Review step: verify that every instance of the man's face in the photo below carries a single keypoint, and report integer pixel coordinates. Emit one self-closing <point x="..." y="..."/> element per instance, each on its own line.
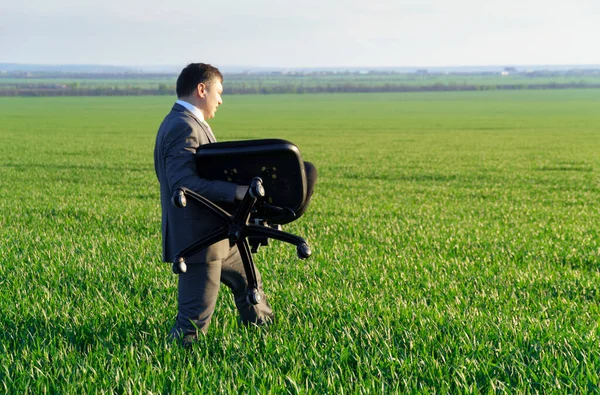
<point x="212" y="98"/>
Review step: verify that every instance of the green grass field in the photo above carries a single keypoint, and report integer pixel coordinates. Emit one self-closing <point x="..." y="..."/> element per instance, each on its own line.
<point x="456" y="241"/>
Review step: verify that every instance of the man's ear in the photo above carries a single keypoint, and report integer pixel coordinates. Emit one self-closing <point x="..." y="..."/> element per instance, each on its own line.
<point x="201" y="88"/>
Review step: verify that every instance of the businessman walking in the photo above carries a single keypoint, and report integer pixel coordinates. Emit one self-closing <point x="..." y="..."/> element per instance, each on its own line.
<point x="184" y="129"/>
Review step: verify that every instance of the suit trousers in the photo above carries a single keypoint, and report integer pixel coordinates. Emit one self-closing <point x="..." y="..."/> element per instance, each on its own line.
<point x="198" y="289"/>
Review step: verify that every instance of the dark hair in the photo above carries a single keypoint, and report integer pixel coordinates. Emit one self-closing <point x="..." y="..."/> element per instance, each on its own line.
<point x="194" y="74"/>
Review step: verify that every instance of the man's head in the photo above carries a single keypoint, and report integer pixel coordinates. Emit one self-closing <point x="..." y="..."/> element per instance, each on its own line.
<point x="201" y="85"/>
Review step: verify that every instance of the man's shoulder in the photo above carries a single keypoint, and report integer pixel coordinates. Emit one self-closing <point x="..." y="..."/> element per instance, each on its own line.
<point x="178" y="119"/>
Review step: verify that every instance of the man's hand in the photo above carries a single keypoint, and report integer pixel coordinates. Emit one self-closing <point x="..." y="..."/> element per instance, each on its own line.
<point x="240" y="192"/>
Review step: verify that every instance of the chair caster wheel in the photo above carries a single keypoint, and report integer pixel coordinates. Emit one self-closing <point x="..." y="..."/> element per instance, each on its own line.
<point x="257" y="190"/>
<point x="179" y="266"/>
<point x="178" y="199"/>
<point x="253" y="296"/>
<point x="303" y="251"/>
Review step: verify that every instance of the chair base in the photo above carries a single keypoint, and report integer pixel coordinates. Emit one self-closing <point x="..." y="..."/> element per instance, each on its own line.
<point x="240" y="231"/>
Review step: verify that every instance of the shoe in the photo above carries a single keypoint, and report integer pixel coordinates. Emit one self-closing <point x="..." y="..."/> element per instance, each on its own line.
<point x="177" y="336"/>
<point x="188" y="340"/>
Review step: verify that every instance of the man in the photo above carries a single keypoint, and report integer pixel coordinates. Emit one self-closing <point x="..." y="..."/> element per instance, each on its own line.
<point x="199" y="90"/>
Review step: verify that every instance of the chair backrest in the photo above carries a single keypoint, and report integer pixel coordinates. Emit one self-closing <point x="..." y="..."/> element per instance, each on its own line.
<point x="277" y="162"/>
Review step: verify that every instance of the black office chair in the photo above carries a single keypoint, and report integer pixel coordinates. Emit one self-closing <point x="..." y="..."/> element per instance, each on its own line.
<point x="279" y="193"/>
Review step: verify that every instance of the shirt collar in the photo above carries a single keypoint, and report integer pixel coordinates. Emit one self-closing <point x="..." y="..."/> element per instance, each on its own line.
<point x="193" y="109"/>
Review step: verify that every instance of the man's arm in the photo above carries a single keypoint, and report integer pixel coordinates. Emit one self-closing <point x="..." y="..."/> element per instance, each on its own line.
<point x="179" y="149"/>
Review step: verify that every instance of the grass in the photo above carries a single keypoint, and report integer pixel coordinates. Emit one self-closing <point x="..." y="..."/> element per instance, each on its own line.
<point x="455" y="235"/>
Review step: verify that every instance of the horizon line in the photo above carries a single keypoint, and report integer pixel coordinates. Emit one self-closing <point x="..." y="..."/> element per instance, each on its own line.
<point x="241" y="66"/>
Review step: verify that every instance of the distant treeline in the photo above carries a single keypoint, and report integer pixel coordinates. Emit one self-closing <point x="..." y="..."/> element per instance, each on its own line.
<point x="72" y="90"/>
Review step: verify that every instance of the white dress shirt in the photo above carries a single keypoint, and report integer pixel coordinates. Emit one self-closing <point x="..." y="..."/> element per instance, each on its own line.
<point x="197" y="113"/>
<point x="193" y="109"/>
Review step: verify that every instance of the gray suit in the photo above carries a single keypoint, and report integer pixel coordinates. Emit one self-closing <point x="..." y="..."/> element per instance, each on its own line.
<point x="178" y="137"/>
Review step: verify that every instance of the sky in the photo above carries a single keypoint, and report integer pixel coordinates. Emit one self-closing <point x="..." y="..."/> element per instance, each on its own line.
<point x="307" y="33"/>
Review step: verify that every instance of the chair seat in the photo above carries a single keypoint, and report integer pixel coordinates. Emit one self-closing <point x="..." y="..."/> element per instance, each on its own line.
<point x="277" y="162"/>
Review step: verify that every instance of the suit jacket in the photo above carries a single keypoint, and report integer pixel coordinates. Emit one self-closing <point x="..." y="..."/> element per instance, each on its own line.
<point x="177" y="139"/>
